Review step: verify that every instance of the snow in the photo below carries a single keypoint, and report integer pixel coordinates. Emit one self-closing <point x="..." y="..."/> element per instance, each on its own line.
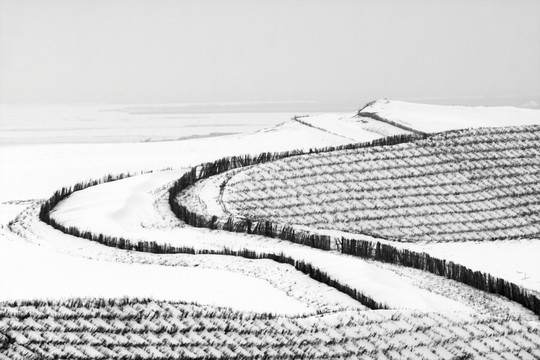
<point x="9" y="211"/>
<point x="436" y="118"/>
<point x="209" y="190"/>
<point x="45" y="274"/>
<point x="46" y="263"/>
<point x="491" y="257"/>
<point x="352" y="127"/>
<point x="36" y="171"/>
<point x="512" y="260"/>
<point x="116" y="207"/>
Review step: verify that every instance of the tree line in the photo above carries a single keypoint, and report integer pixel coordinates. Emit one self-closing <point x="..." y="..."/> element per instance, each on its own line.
<point x="448" y="269"/>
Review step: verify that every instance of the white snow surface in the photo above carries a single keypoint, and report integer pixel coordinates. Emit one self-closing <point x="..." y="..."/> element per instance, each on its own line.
<point x="45" y="263"/>
<point x="435" y="118"/>
<point x="36" y="171"/>
<point x="29" y="272"/>
<point x="513" y="260"/>
<point x="352" y="127"/>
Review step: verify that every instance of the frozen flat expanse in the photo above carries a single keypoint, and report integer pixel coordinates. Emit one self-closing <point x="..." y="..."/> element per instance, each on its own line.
<point x="49" y="124"/>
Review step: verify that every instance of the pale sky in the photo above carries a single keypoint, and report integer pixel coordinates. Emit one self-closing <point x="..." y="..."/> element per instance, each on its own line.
<point x="337" y="53"/>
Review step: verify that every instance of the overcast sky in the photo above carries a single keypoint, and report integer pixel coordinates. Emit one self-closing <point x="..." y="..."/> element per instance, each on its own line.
<point x="340" y="53"/>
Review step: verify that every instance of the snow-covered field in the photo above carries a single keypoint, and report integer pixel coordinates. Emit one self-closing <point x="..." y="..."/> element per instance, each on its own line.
<point x="39" y="262"/>
<point x="36" y="170"/>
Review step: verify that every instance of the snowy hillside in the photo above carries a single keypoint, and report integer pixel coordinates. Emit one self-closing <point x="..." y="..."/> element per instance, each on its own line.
<point x="219" y="268"/>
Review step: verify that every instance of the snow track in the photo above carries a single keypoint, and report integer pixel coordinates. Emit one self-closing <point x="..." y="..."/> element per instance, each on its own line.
<point x="86" y="269"/>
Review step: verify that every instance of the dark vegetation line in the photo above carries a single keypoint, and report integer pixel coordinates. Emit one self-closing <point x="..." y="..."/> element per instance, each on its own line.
<point x="374" y="116"/>
<point x="298" y="119"/>
<point x="361" y="248"/>
<point x="423" y="261"/>
<point x="518" y="204"/>
<point x="155" y="248"/>
<point x="410" y="157"/>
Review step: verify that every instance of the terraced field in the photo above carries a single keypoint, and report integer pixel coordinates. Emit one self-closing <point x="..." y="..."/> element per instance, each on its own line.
<point x="467" y="185"/>
<point x="145" y="329"/>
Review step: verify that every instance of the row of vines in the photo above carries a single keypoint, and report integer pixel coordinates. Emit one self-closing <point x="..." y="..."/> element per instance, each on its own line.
<point x="125" y="329"/>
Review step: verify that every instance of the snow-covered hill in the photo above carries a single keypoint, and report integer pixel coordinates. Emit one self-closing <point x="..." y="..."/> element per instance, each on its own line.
<point x="436" y="118"/>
